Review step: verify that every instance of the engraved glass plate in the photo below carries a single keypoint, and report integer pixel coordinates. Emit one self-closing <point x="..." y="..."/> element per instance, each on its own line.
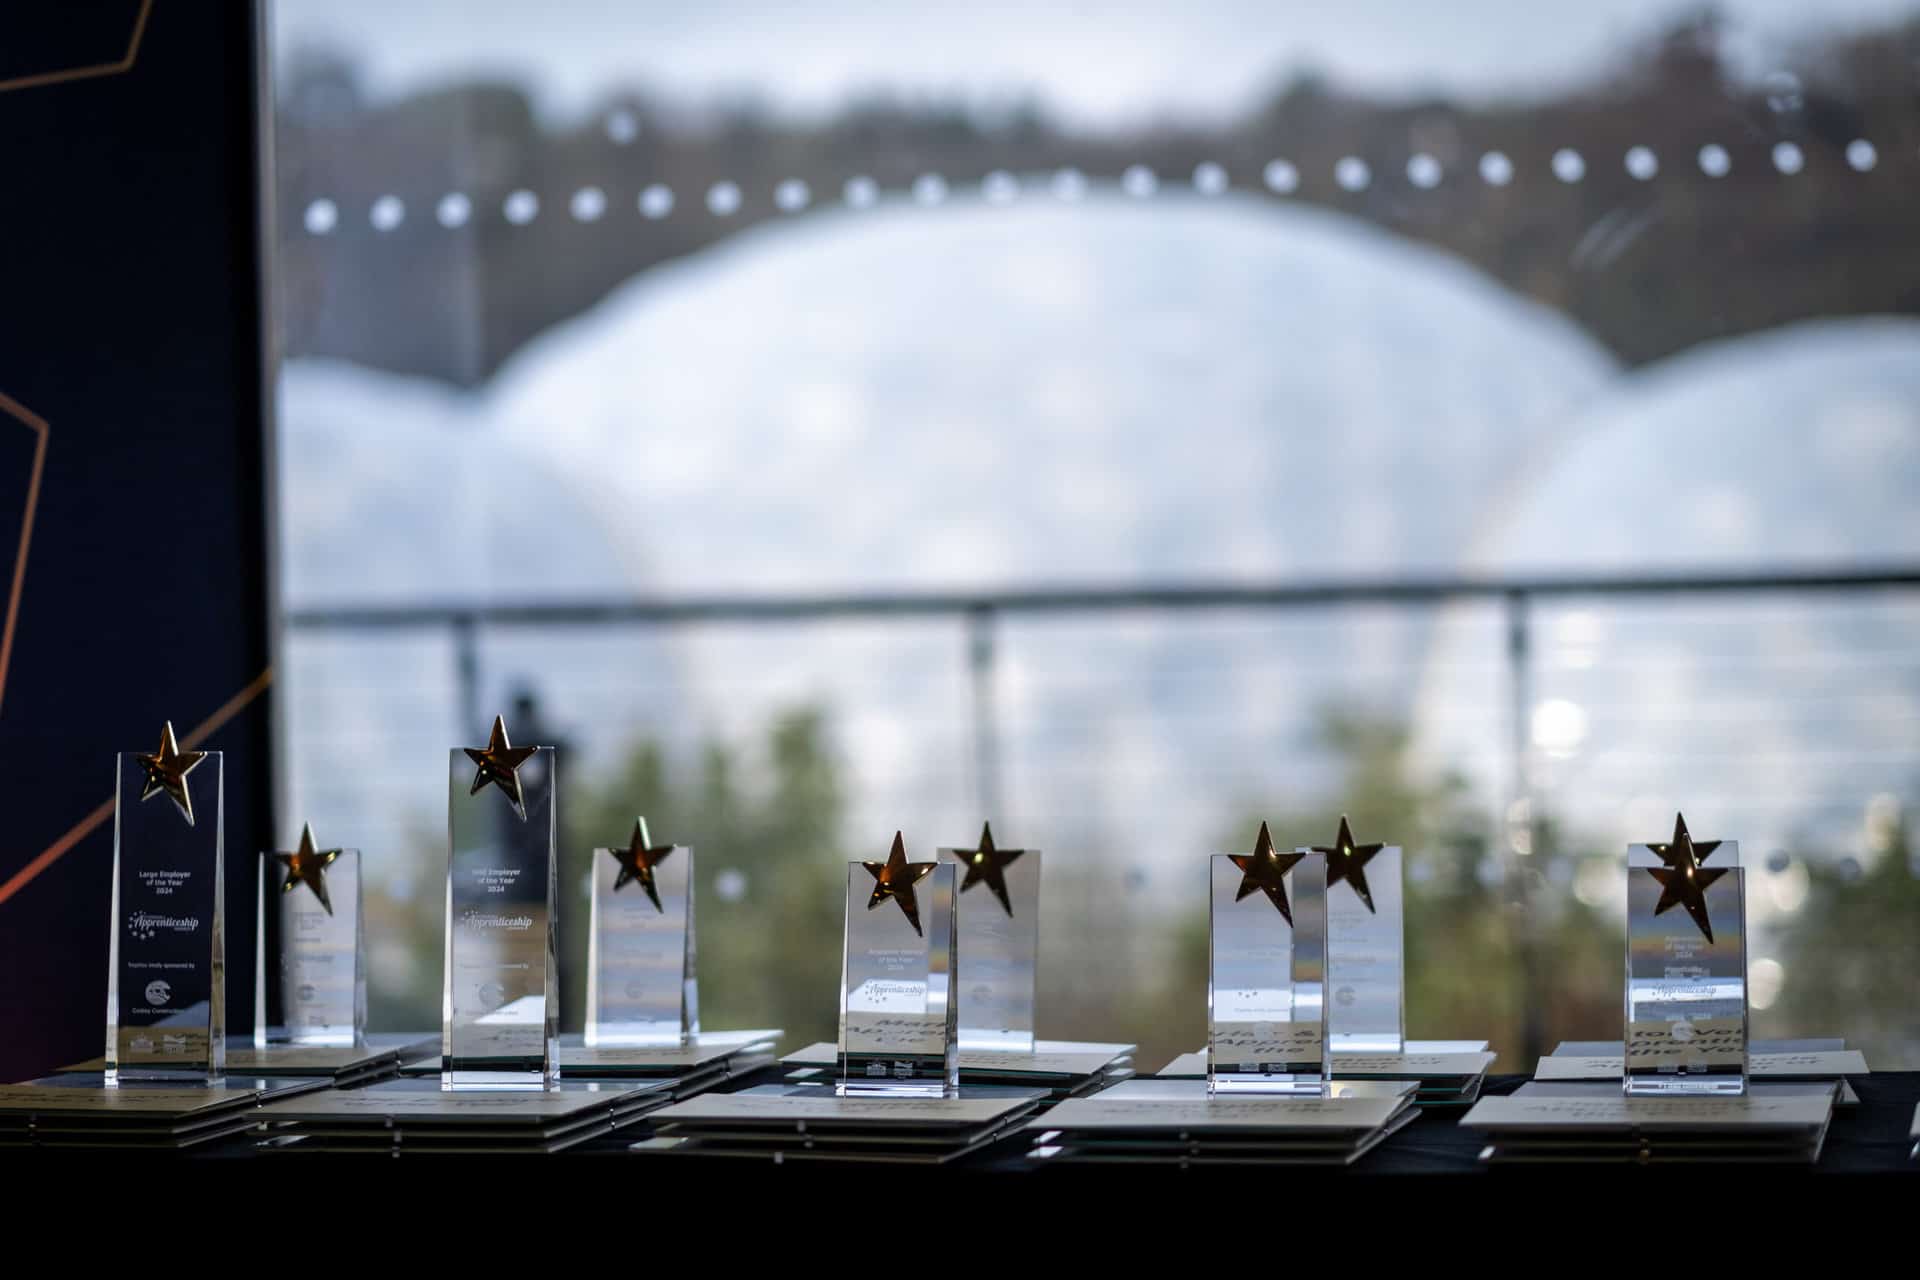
<point x="1266" y="1016"/>
<point x="1686" y="1012"/>
<point x="1001" y="943"/>
<point x="166" y="966"/>
<point x="310" y="957"/>
<point x="501" y="1003"/>
<point x="1366" y="960"/>
<point x="899" y="1030"/>
<point x="641" y="990"/>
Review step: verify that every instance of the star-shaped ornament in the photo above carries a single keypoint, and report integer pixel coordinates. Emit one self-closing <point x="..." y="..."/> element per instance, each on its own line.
<point x="637" y="862"/>
<point x="894" y="879"/>
<point x="167" y="771"/>
<point x="308" y="865"/>
<point x="1683" y="881"/>
<point x="988" y="865"/>
<point x="1265" y="869"/>
<point x="1348" y="861"/>
<point x="499" y="763"/>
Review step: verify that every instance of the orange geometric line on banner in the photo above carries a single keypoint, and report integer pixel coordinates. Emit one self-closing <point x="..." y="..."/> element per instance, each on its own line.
<point x="86" y="73"/>
<point x="38" y="426"/>
<point x="86" y="826"/>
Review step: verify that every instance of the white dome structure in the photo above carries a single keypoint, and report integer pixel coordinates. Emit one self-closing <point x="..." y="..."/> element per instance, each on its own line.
<point x="1107" y="390"/>
<point x="1787" y="722"/>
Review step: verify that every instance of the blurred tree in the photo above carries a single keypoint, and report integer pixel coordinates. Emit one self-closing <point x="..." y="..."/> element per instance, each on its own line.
<point x="767" y="892"/>
<point x="1849" y="954"/>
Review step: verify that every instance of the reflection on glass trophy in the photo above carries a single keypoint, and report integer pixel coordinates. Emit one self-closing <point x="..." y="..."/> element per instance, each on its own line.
<point x="1686" y="1030"/>
<point x="1366" y="946"/>
<point x="166" y="967"/>
<point x="641" y="990"/>
<point x="310" y="974"/>
<point x="1267" y="936"/>
<point x="999" y="915"/>
<point x="898" y="1025"/>
<point x="501" y="1004"/>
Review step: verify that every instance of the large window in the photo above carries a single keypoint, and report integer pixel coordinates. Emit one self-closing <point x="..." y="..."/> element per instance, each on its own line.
<point x="821" y="420"/>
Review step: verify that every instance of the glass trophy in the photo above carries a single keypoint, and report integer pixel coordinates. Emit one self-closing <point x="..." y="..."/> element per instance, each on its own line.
<point x="310" y="968"/>
<point x="898" y="1024"/>
<point x="1366" y="946"/>
<point x="166" y="966"/>
<point x="1686" y="1016"/>
<point x="999" y="921"/>
<point x="501" y="1003"/>
<point x="1267" y="937"/>
<point x="641" y="990"/>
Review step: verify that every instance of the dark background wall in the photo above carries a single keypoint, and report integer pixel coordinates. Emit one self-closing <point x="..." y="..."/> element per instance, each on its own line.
<point x="132" y="467"/>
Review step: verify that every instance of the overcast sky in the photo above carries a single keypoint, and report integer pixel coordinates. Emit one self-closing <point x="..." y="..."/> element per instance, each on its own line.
<point x="1095" y="61"/>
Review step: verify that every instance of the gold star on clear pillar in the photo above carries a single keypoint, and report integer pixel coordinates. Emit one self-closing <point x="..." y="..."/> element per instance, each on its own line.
<point x="167" y="771"/>
<point x="1683" y="881"/>
<point x="637" y="862"/>
<point x="307" y="865"/>
<point x="499" y="763"/>
<point x="987" y="865"/>
<point x="894" y="879"/>
<point x="1264" y="869"/>
<point x="1348" y="861"/>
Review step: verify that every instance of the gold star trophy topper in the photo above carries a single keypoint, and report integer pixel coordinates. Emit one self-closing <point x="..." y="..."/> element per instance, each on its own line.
<point x="308" y="865"/>
<point x="1683" y="881"/>
<point x="1265" y="869"/>
<point x="499" y="763"/>
<point x="637" y="862"/>
<point x="894" y="879"/>
<point x="167" y="771"/>
<point x="988" y="865"/>
<point x="1348" y="861"/>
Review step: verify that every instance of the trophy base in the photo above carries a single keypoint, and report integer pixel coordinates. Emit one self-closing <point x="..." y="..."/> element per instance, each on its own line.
<point x="1286" y="1084"/>
<point x="866" y="1075"/>
<point x="1687" y="1084"/>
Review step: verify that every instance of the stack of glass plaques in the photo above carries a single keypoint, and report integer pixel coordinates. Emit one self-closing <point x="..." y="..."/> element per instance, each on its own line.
<point x="706" y="1060"/>
<point x="1064" y="1068"/>
<point x="782" y="1122"/>
<point x="1445" y="1073"/>
<point x="76" y="1109"/>
<point x="1162" y="1121"/>
<point x="1821" y="1060"/>
<point x="1558" y="1122"/>
<point x="379" y="1056"/>
<point x="416" y="1117"/>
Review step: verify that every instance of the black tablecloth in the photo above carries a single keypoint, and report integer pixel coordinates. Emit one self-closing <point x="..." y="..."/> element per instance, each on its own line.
<point x="1428" y="1172"/>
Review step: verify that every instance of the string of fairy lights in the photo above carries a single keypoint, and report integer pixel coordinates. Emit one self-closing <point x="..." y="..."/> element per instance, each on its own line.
<point x="1352" y="174"/>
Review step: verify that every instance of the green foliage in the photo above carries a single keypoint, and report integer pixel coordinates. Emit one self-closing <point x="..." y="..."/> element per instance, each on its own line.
<point x="1850" y="955"/>
<point x="771" y="958"/>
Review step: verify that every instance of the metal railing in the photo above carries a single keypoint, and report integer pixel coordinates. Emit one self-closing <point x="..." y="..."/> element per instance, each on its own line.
<point x="979" y="612"/>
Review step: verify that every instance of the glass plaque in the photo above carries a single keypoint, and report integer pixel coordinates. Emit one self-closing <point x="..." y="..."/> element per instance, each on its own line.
<point x="310" y="968"/>
<point x="501" y="1003"/>
<point x="1267" y="933"/>
<point x="641" y="990"/>
<point x="999" y="914"/>
<point x="1366" y="947"/>
<point x="1686" y="1015"/>
<point x="166" y="965"/>
<point x="899" y="1032"/>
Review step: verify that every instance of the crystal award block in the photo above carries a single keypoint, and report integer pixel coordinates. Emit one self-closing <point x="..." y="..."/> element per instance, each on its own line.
<point x="898" y="1024"/>
<point x="1266" y="1015"/>
<point x="1686" y="1015"/>
<point x="501" y="1003"/>
<point x="641" y="990"/>
<point x="310" y="952"/>
<point x="1000" y="937"/>
<point x="1366" y="957"/>
<point x="166" y="967"/>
